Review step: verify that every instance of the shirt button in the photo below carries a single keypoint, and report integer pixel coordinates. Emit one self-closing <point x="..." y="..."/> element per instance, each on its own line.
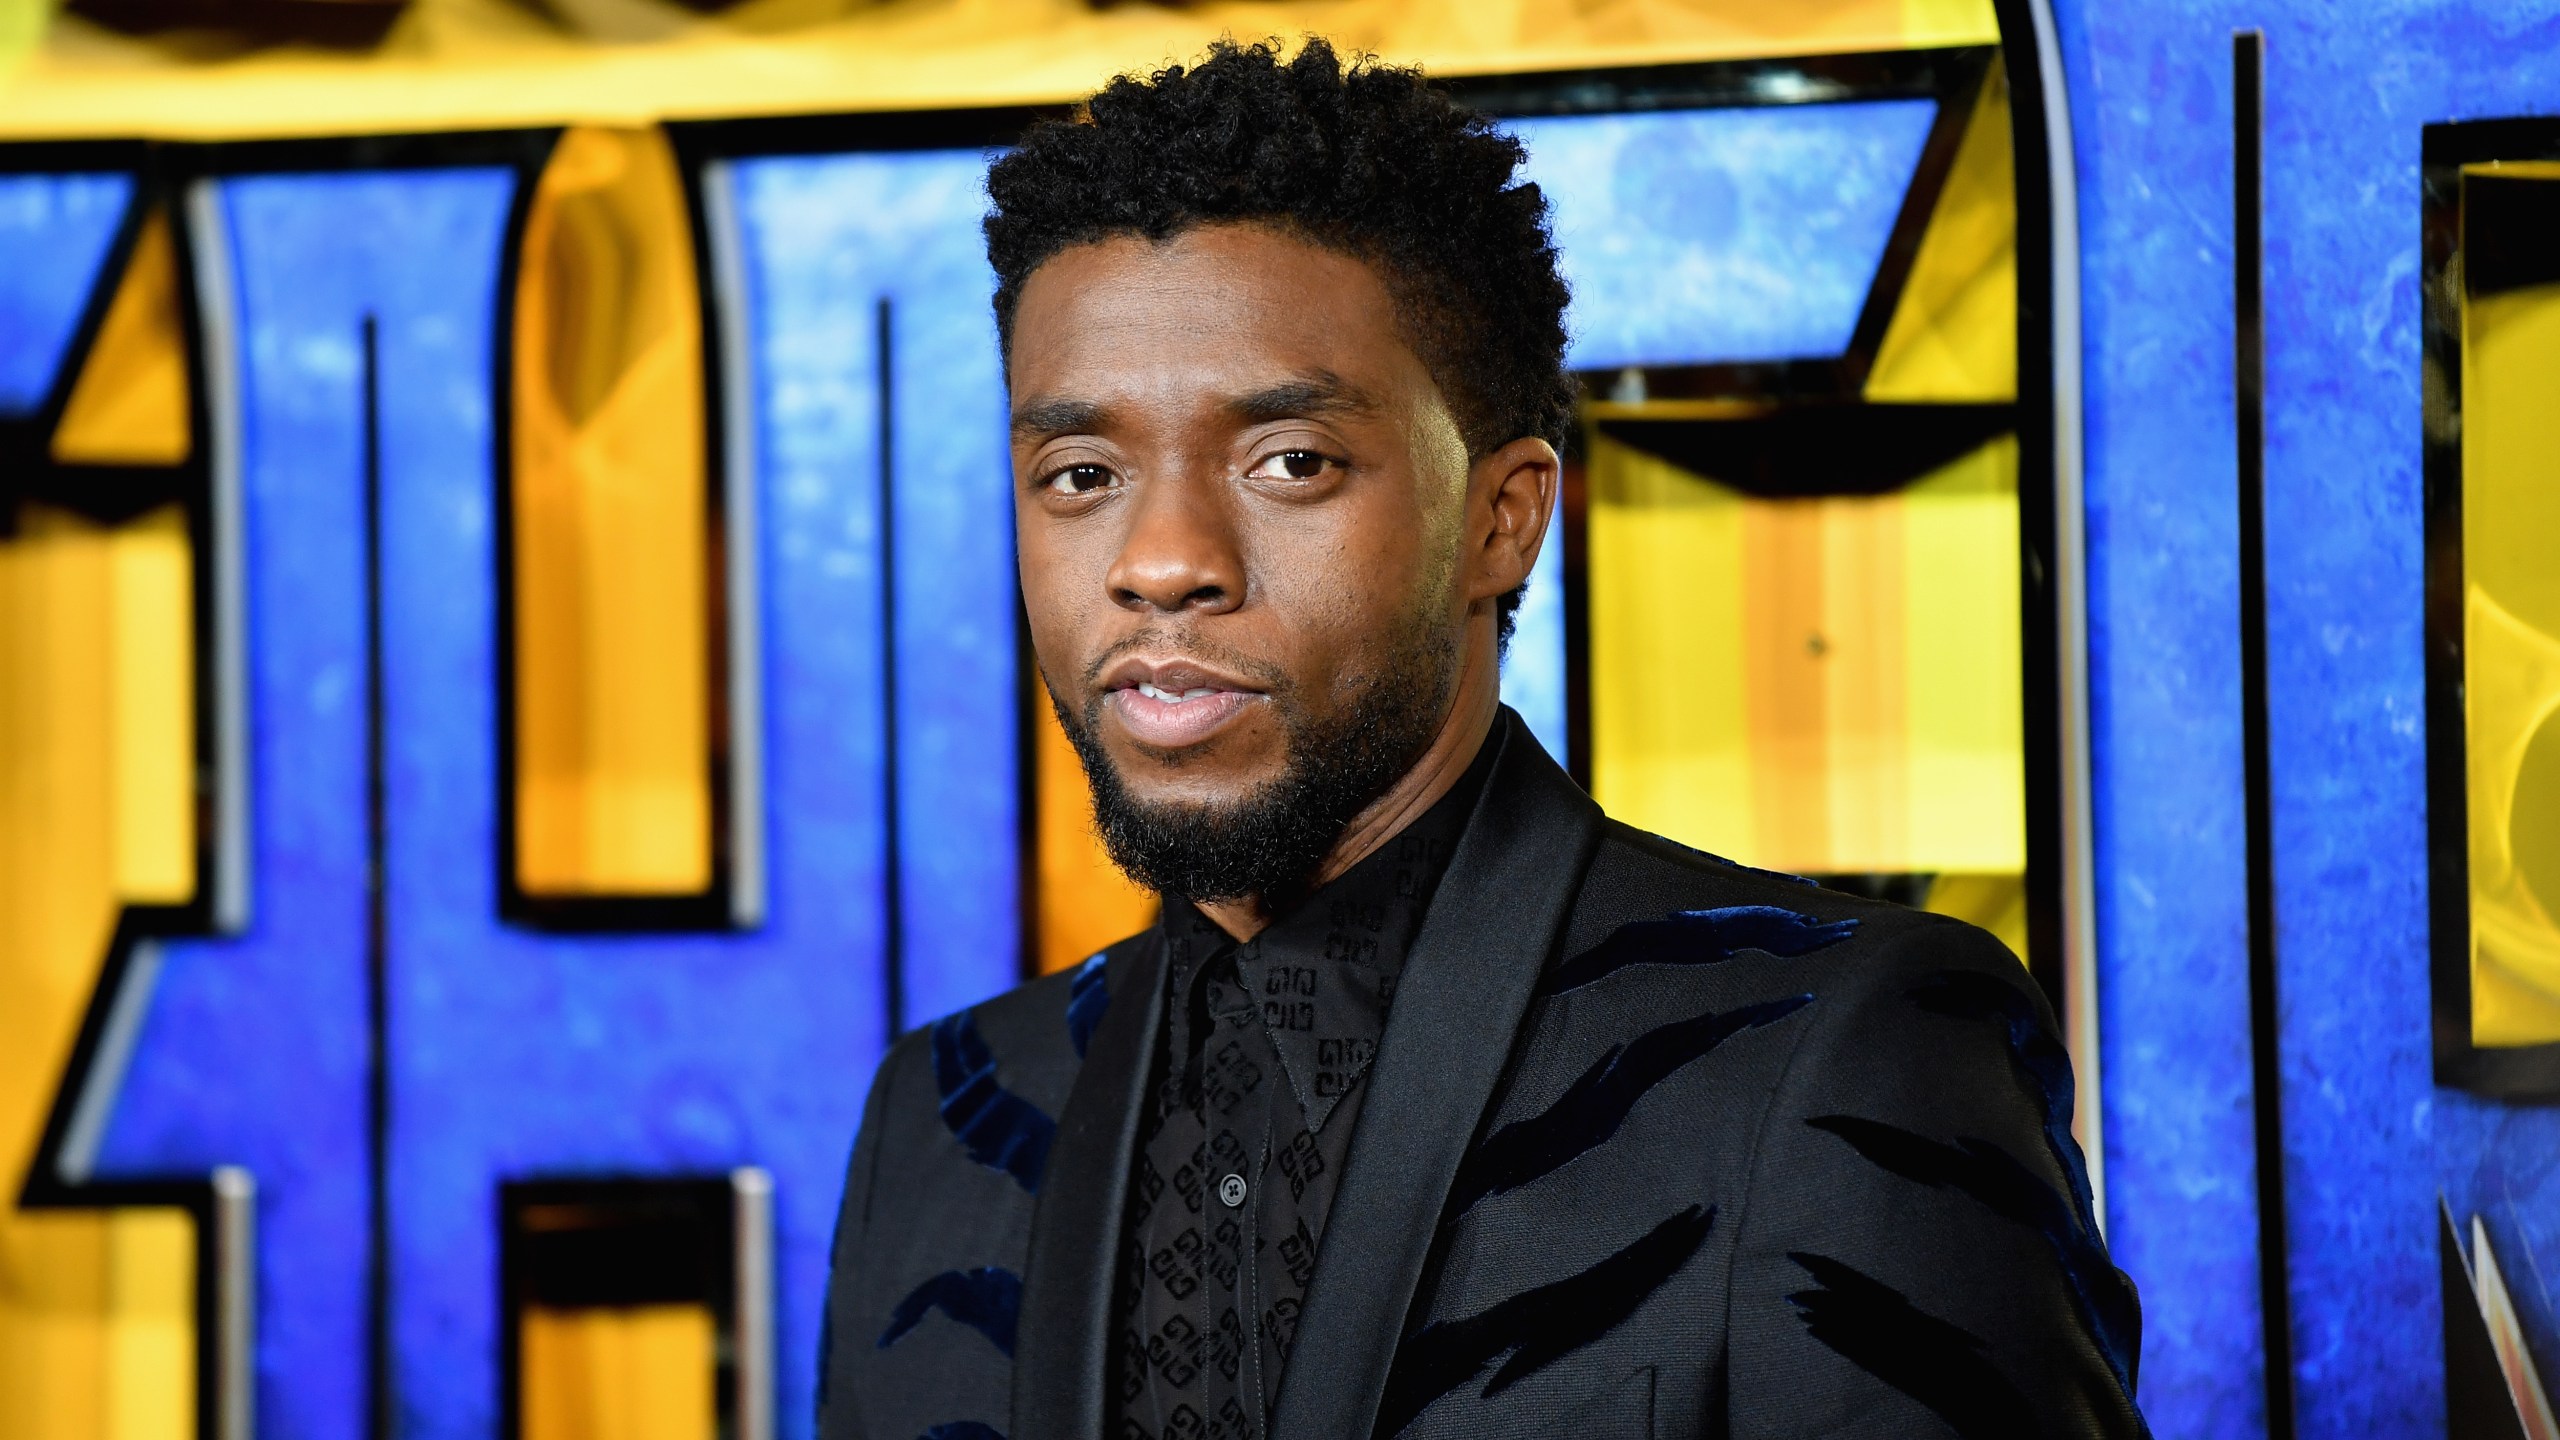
<point x="1231" y="1191"/>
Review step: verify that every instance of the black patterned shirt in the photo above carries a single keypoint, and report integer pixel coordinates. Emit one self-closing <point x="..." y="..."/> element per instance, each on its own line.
<point x="1256" y="1091"/>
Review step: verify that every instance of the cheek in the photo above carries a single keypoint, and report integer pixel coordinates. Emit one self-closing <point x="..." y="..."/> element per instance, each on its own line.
<point x="1342" y="588"/>
<point x="1061" y="582"/>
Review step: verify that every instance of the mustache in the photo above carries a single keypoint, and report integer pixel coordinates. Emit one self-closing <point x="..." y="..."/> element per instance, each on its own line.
<point x="1274" y="681"/>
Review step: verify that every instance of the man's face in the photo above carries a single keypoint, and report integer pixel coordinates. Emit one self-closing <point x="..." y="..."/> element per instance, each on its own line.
<point x="1240" y="500"/>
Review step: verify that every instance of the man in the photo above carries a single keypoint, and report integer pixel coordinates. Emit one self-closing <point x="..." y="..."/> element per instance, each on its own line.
<point x="1437" y="1104"/>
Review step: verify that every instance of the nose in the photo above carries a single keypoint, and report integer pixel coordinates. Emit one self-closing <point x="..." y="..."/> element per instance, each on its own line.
<point x="1181" y="553"/>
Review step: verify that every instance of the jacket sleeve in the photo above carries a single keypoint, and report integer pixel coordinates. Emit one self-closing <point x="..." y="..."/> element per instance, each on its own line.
<point x="839" y="1398"/>
<point x="1917" y="1253"/>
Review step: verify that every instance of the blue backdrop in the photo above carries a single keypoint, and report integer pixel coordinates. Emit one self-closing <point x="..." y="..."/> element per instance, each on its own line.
<point x="2369" y="1140"/>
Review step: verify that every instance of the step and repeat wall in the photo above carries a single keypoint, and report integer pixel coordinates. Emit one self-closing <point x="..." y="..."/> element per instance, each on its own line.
<point x="549" y="698"/>
<point x="512" y="691"/>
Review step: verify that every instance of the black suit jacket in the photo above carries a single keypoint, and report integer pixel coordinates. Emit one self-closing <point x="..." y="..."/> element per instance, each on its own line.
<point x="1656" y="1145"/>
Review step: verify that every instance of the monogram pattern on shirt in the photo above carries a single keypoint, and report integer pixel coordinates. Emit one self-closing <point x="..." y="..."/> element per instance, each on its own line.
<point x="1211" y="1289"/>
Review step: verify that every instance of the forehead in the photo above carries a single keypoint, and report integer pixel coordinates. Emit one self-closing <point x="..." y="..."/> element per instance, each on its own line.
<point x="1209" y="311"/>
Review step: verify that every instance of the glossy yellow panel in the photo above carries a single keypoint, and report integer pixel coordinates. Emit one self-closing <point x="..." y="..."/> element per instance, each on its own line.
<point x="1954" y="333"/>
<point x="129" y="406"/>
<point x="152" y="699"/>
<point x="642" y="1372"/>
<point x="1997" y="903"/>
<point x="1669" y="744"/>
<point x="610" y="564"/>
<point x="461" y="64"/>
<point x="1825" y="685"/>
<point x="1085" y="902"/>
<point x="1964" y="712"/>
<point x="2511" y="661"/>
<point x="1834" y="685"/>
<point x="151" y="1341"/>
<point x="90" y="624"/>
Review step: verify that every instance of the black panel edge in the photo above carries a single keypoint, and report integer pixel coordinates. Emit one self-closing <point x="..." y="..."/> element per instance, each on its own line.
<point x="2249" y="347"/>
<point x="2039" y="537"/>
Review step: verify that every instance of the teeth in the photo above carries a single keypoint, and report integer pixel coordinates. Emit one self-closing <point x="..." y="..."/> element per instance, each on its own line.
<point x="1168" y="697"/>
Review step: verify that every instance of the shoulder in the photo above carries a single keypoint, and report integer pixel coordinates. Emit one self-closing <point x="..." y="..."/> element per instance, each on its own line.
<point x="934" y="1232"/>
<point x="1029" y="1041"/>
<point x="1893" y="999"/>
<point x="1644" y="893"/>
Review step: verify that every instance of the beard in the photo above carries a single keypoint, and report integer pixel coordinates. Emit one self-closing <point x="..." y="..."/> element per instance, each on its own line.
<point x="1268" y="842"/>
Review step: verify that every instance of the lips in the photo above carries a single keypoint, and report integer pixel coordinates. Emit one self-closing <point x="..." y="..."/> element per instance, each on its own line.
<point x="1171" y="704"/>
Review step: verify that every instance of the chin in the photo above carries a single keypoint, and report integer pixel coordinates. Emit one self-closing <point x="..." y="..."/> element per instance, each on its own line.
<point x="1206" y="777"/>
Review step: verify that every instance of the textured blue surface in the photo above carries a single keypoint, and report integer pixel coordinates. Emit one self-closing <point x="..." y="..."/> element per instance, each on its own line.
<point x="514" y="1053"/>
<point x="54" y="235"/>
<point x="1533" y="669"/>
<point x="1692" y="236"/>
<point x="2165" y="726"/>
<point x="828" y="238"/>
<point x="517" y="1053"/>
<point x="255" y="1051"/>
<point x="2369" y="1140"/>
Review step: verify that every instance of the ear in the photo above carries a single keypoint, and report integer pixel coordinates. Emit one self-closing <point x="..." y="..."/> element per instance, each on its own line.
<point x="1511" y="498"/>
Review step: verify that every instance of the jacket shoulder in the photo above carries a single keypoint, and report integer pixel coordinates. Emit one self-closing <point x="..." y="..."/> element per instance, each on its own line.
<point x="1031" y="1037"/>
<point x="934" y="1230"/>
<point x="1636" y="875"/>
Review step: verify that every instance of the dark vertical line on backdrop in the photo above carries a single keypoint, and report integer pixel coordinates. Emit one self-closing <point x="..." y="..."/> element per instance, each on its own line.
<point x="893" y="927"/>
<point x="2249" y="403"/>
<point x="1026" y="788"/>
<point x="377" y="917"/>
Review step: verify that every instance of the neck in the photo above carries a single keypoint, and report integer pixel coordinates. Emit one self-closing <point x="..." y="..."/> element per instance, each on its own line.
<point x="1453" y="748"/>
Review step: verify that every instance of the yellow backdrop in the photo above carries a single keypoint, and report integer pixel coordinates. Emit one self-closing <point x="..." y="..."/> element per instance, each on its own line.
<point x="2511" y="655"/>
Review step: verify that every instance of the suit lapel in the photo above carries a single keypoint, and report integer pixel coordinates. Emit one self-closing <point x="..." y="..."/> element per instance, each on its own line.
<point x="1498" y="913"/>
<point x="1060" y="1369"/>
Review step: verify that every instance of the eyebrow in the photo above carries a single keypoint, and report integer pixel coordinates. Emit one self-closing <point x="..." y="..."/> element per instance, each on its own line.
<point x="1041" y="419"/>
<point x="1320" y="394"/>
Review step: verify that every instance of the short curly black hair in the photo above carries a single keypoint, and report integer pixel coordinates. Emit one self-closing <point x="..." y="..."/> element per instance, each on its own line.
<point x="1363" y="158"/>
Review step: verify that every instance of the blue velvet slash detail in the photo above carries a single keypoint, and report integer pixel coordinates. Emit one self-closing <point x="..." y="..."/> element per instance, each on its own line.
<point x="963" y="1430"/>
<point x="1537" y="1327"/>
<point x="1594" y="1106"/>
<point x="2036" y="1058"/>
<point x="998" y="1128"/>
<point x="1700" y="937"/>
<point x="987" y="1300"/>
<point x="1945" y="1367"/>
<point x="2006" y="1187"/>
<point x="1088" y="995"/>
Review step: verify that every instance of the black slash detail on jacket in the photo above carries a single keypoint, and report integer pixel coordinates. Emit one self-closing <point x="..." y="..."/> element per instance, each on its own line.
<point x="2043" y="1071"/>
<point x="1594" y="1106"/>
<point x="2010" y="1190"/>
<point x="1942" y="1366"/>
<point x="987" y="1300"/>
<point x="1538" y="1327"/>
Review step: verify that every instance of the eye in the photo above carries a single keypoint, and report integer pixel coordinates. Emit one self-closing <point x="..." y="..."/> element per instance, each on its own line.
<point x="1076" y="480"/>
<point x="1292" y="465"/>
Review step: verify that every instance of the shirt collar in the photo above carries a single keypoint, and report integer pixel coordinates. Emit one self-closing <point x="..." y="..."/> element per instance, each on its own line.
<point x="1323" y="973"/>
